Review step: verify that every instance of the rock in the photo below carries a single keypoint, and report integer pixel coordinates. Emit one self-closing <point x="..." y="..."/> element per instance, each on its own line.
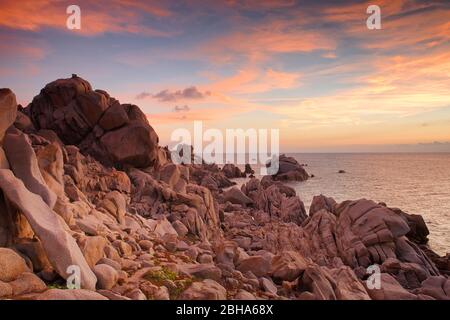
<point x="106" y="276"/>
<point x="115" y="204"/>
<point x="244" y="295"/>
<point x="231" y="171"/>
<point x="80" y="294"/>
<point x="61" y="249"/>
<point x="8" y="111"/>
<point x="51" y="165"/>
<point x="268" y="285"/>
<point x="113" y="118"/>
<point x="342" y="171"/>
<point x="322" y="203"/>
<point x="24" y="164"/>
<point x="348" y="286"/>
<point x="5" y="290"/>
<point x="418" y="232"/>
<point x="27" y="283"/>
<point x="288" y="170"/>
<point x="236" y="196"/>
<point x="202" y="271"/>
<point x="93" y="249"/>
<point x="389" y="289"/>
<point x="437" y="287"/>
<point x="114" y="134"/>
<point x="11" y="265"/>
<point x="180" y="228"/>
<point x="258" y="265"/>
<point x="367" y="234"/>
<point x="204" y="290"/>
<point x="288" y="266"/>
<point x="248" y="169"/>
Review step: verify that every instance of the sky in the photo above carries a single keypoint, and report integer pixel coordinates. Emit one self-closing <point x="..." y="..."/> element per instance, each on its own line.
<point x="311" y="69"/>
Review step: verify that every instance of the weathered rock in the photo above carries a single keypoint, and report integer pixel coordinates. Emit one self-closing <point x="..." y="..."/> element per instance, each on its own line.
<point x="24" y="164"/>
<point x="106" y="276"/>
<point x="288" y="169"/>
<point x="205" y="290"/>
<point x="61" y="248"/>
<point x="27" y="283"/>
<point x="288" y="266"/>
<point x="11" y="265"/>
<point x="114" y="134"/>
<point x="231" y="171"/>
<point x="367" y="234"/>
<point x="436" y="287"/>
<point x="258" y="265"/>
<point x="8" y="111"/>
<point x="58" y="294"/>
<point x="236" y="196"/>
<point x="322" y="203"/>
<point x="389" y="289"/>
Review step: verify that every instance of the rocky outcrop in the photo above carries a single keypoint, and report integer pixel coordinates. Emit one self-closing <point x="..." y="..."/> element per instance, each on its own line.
<point x="60" y="247"/>
<point x="288" y="169"/>
<point x="115" y="134"/>
<point x="8" y="111"/>
<point x="160" y="230"/>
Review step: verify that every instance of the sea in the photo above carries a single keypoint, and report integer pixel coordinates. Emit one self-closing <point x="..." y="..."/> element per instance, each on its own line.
<point x="417" y="183"/>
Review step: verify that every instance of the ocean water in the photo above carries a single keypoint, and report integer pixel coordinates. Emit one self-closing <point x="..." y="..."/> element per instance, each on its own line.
<point x="416" y="183"/>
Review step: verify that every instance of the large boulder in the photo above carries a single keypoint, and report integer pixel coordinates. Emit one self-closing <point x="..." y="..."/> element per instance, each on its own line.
<point x="24" y="164"/>
<point x="8" y="111"/>
<point x="11" y="265"/>
<point x="115" y="134"/>
<point x="288" y="169"/>
<point x="368" y="233"/>
<point x="61" y="249"/>
<point x="206" y="290"/>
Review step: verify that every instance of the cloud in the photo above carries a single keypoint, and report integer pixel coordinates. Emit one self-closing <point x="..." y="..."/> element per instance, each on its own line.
<point x="184" y="108"/>
<point x="112" y="16"/>
<point x="190" y="93"/>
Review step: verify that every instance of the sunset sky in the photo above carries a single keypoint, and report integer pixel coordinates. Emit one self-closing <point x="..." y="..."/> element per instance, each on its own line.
<point x="309" y="68"/>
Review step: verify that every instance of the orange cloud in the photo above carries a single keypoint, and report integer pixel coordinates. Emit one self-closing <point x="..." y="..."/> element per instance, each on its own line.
<point x="116" y="16"/>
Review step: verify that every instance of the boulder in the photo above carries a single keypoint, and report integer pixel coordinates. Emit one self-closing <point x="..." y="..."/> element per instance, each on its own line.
<point x="288" y="266"/>
<point x="8" y="111"/>
<point x="258" y="265"/>
<point x="114" y="134"/>
<point x="11" y="265"/>
<point x="61" y="249"/>
<point x="389" y="289"/>
<point x="288" y="169"/>
<point x="236" y="196"/>
<point x="322" y="203"/>
<point x="80" y="294"/>
<point x="204" y="290"/>
<point x="107" y="276"/>
<point x="24" y="164"/>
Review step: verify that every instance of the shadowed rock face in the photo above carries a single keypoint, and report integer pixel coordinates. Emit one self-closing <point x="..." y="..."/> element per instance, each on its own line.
<point x="117" y="135"/>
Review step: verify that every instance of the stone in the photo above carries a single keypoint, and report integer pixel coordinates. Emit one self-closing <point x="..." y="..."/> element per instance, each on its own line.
<point x="24" y="164"/>
<point x="115" y="117"/>
<point x="61" y="249"/>
<point x="258" y="265"/>
<point x="93" y="249"/>
<point x="205" y="290"/>
<point x="268" y="285"/>
<point x="236" y="196"/>
<point x="77" y="294"/>
<point x="8" y="111"/>
<point x="389" y="289"/>
<point x="202" y="271"/>
<point x="180" y="228"/>
<point x="322" y="203"/>
<point x="26" y="283"/>
<point x="11" y="265"/>
<point x="107" y="276"/>
<point x="288" y="266"/>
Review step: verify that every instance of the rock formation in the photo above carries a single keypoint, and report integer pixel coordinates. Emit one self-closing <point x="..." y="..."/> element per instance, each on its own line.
<point x="85" y="186"/>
